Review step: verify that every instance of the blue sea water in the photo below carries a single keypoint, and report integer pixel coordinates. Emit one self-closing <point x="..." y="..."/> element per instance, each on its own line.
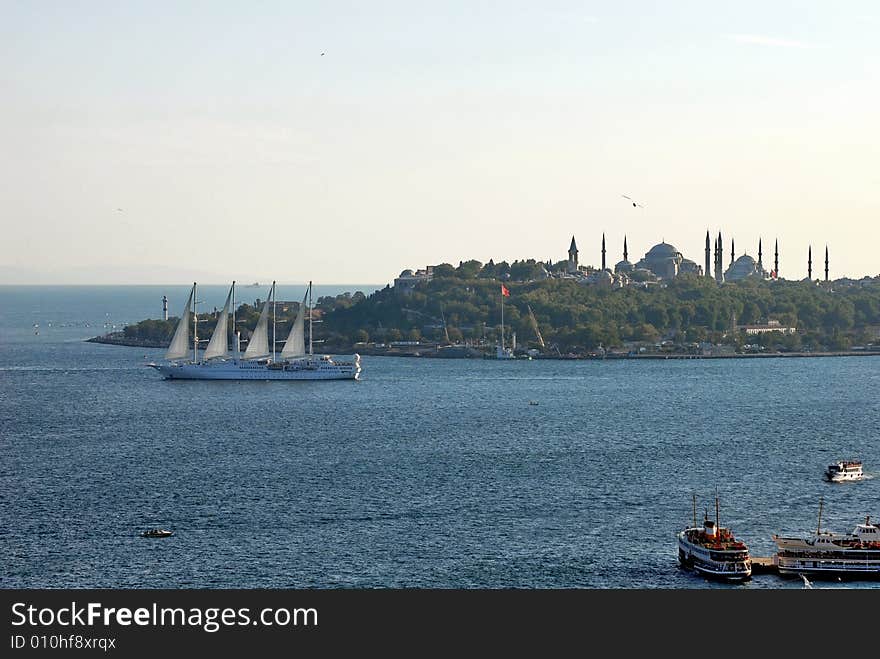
<point x="426" y="473"/>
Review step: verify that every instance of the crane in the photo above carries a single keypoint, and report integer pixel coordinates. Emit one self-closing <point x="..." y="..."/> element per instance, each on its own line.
<point x="535" y="327"/>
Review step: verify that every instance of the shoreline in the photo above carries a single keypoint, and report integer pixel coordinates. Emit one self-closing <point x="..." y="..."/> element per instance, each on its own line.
<point x="461" y="352"/>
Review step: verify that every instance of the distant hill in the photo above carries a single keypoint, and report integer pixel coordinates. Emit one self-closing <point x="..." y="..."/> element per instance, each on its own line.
<point x="573" y="317"/>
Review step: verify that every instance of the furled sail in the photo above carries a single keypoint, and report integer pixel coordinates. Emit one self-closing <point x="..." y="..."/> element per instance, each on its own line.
<point x="179" y="347"/>
<point x="218" y="346"/>
<point x="295" y="346"/>
<point x="258" y="346"/>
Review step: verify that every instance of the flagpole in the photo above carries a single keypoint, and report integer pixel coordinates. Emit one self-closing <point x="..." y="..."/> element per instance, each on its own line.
<point x="502" y="317"/>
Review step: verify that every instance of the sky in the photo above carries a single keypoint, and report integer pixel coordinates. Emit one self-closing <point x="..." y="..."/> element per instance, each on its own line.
<point x="342" y="142"/>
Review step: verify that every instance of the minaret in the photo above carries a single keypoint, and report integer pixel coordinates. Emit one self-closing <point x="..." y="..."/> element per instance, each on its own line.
<point x="573" y="256"/>
<point x="732" y="253"/>
<point x="715" y="261"/>
<point x="625" y="256"/>
<point x="776" y="259"/>
<point x="810" y="263"/>
<point x="164" y="308"/>
<point x="826" y="262"/>
<point x="707" y="271"/>
<point x="760" y="258"/>
<point x="719" y="262"/>
<point x="603" y="251"/>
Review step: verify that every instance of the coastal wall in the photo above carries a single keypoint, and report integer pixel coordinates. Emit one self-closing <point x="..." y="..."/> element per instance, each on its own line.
<point x="467" y="352"/>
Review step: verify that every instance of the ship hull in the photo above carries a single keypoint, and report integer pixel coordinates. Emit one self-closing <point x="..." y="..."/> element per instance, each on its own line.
<point x="853" y="572"/>
<point x="843" y="478"/>
<point x="697" y="558"/>
<point x="261" y="372"/>
<point x="853" y="563"/>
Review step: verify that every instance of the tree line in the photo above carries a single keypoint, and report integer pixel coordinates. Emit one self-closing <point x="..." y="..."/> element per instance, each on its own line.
<point x="464" y="304"/>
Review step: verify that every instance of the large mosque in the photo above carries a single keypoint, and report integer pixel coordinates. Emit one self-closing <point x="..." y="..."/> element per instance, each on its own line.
<point x="663" y="262"/>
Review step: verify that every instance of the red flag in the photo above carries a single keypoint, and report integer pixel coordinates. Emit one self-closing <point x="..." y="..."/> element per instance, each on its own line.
<point x="504" y="291"/>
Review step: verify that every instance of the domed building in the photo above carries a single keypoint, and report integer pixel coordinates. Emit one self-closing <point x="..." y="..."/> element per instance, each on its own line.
<point x="409" y="280"/>
<point x="690" y="267"/>
<point x="663" y="260"/>
<point x="743" y="268"/>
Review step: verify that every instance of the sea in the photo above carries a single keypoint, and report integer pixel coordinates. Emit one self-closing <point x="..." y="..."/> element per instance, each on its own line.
<point x="426" y="473"/>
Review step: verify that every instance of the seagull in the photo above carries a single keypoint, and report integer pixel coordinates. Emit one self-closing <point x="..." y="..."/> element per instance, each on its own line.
<point x="119" y="210"/>
<point x="633" y="202"/>
<point x="322" y="54"/>
<point x="807" y="583"/>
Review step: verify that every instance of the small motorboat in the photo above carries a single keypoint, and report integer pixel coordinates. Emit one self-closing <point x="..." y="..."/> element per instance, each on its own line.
<point x="157" y="533"/>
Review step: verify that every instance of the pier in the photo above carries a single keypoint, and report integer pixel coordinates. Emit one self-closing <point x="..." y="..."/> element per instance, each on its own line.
<point x="764" y="565"/>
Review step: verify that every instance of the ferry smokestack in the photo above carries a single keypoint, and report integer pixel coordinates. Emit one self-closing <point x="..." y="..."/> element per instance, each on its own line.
<point x="164" y="307"/>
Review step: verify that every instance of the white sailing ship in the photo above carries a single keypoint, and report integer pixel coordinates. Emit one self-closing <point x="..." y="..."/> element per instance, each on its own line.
<point x="257" y="362"/>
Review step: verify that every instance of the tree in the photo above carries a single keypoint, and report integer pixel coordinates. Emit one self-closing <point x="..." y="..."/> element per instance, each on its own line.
<point x="750" y="314"/>
<point x="469" y="269"/>
<point x="444" y="270"/>
<point x="647" y="332"/>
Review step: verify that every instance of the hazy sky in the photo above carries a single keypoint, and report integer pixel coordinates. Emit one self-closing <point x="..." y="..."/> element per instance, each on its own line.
<point x="429" y="132"/>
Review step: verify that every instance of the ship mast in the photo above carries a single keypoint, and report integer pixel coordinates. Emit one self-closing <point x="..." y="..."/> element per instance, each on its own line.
<point x="195" y="325"/>
<point x="273" y="322"/>
<point x="311" y="348"/>
<point x="717" y="518"/>
<point x="695" y="508"/>
<point x="234" y="330"/>
<point x="819" y="523"/>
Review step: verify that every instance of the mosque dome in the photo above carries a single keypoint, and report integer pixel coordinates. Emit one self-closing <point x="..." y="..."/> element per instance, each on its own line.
<point x="624" y="266"/>
<point x="663" y="260"/>
<point x="662" y="251"/>
<point x="406" y="273"/>
<point x="744" y="266"/>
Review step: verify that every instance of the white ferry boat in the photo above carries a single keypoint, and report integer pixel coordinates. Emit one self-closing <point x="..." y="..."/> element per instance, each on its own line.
<point x="713" y="551"/>
<point x="833" y="554"/>
<point x="844" y="470"/>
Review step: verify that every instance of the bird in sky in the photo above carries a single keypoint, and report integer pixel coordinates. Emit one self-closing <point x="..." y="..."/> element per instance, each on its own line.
<point x="118" y="210"/>
<point x="634" y="203"/>
<point x="322" y="54"/>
